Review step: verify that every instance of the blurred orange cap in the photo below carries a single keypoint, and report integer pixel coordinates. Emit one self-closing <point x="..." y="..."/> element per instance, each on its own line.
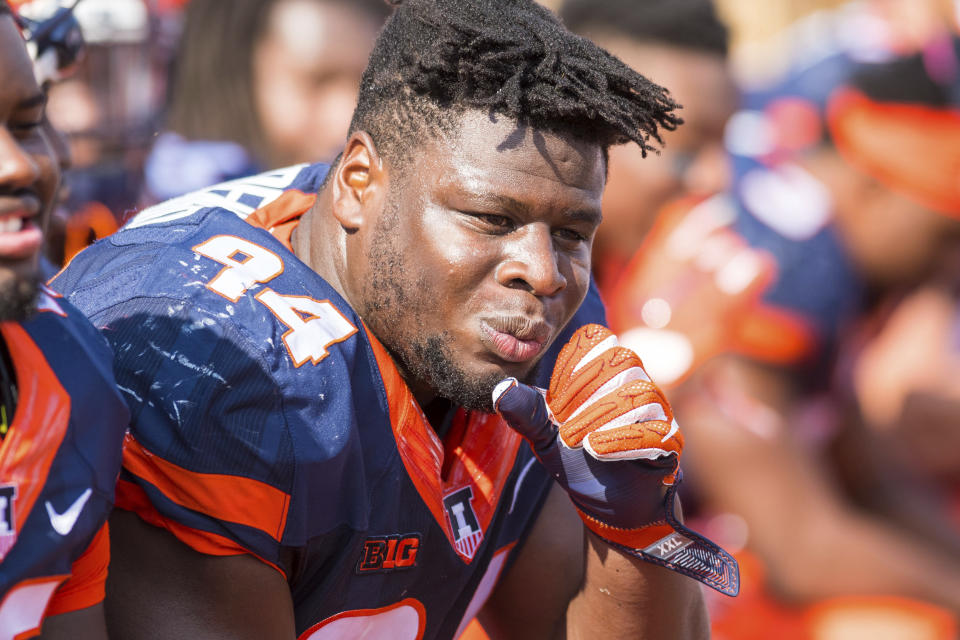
<point x="910" y="148"/>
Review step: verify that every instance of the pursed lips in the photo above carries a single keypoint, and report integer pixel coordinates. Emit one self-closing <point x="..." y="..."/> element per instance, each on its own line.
<point x="515" y="338"/>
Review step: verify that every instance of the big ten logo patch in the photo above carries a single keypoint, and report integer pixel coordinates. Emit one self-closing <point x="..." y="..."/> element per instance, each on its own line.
<point x="389" y="553"/>
<point x="467" y="533"/>
<point x="8" y="525"/>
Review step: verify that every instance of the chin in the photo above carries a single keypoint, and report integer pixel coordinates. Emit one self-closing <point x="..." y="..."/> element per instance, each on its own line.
<point x="500" y="370"/>
<point x="18" y="292"/>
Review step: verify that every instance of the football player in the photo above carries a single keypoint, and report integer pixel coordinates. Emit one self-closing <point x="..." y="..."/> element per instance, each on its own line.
<point x="313" y="356"/>
<point x="61" y="417"/>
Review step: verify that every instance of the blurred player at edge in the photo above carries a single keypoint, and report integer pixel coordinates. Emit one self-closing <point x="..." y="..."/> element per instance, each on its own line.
<point x="846" y="211"/>
<point x="313" y="356"/>
<point x="61" y="418"/>
<point x="287" y="98"/>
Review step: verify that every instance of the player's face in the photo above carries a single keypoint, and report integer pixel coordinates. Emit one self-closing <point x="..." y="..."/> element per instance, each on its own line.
<point x="892" y="240"/>
<point x="28" y="174"/>
<point x="306" y="71"/>
<point x="482" y="255"/>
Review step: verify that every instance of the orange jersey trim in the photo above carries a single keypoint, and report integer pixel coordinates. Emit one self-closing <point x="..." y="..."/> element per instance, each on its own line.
<point x="230" y="498"/>
<point x="481" y="450"/>
<point x="39" y="424"/>
<point x="282" y="216"/>
<point x="131" y="497"/>
<point x="88" y="577"/>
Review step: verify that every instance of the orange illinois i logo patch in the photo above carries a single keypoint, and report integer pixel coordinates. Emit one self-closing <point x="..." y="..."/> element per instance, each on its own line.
<point x="389" y="553"/>
<point x="467" y="532"/>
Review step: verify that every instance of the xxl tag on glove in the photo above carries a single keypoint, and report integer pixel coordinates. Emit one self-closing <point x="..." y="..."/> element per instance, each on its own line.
<point x="607" y="435"/>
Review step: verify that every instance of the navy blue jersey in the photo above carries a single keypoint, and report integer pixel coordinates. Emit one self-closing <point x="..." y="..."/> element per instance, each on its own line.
<point x="58" y="466"/>
<point x="266" y="420"/>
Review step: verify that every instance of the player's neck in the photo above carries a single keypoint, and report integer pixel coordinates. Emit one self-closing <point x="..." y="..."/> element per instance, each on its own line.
<point x="439" y="413"/>
<point x="316" y="244"/>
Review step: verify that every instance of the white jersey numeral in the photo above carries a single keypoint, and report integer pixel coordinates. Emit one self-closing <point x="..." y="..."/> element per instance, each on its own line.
<point x="314" y="325"/>
<point x="404" y="620"/>
<point x="245" y="264"/>
<point x="21" y="612"/>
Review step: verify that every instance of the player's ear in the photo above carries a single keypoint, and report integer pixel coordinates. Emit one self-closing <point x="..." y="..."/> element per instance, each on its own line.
<point x="359" y="182"/>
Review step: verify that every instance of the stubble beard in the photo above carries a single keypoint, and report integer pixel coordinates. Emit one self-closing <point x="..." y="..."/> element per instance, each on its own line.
<point x="18" y="297"/>
<point x="392" y="292"/>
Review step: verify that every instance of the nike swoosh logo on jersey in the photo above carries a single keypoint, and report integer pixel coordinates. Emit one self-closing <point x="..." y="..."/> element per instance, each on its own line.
<point x="63" y="522"/>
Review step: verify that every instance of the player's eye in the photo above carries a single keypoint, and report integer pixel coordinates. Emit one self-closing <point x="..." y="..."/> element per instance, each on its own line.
<point x="24" y="128"/>
<point x="498" y="221"/>
<point x="26" y="122"/>
<point x="570" y="235"/>
<point x="492" y="221"/>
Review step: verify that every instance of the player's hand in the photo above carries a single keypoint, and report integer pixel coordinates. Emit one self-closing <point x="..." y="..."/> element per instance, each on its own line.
<point x="607" y="435"/>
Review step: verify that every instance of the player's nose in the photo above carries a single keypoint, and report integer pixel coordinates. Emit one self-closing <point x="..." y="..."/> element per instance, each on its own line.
<point x="532" y="264"/>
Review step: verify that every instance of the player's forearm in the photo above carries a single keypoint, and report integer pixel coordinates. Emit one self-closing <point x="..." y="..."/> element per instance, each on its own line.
<point x="623" y="597"/>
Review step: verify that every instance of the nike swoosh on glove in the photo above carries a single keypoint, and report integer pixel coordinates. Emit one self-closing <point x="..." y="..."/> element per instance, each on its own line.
<point x="607" y="435"/>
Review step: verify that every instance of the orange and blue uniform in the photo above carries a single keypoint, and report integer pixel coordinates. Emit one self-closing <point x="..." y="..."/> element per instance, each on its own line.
<point x="59" y="463"/>
<point x="268" y="421"/>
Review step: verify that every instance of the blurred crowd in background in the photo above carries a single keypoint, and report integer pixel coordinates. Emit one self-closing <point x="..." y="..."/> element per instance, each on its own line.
<point x="788" y="266"/>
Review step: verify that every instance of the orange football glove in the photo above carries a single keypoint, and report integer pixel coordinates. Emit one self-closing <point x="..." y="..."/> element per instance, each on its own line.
<point x="607" y="435"/>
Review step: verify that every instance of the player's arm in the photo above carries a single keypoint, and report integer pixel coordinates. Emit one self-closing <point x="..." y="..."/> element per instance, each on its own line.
<point x="76" y="609"/>
<point x="814" y="543"/>
<point x="201" y="503"/>
<point x="585" y="589"/>
<point x="83" y="624"/>
<point x="161" y="588"/>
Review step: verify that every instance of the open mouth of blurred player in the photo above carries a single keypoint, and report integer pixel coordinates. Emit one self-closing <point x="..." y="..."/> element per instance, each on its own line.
<point x="515" y="338"/>
<point x="20" y="235"/>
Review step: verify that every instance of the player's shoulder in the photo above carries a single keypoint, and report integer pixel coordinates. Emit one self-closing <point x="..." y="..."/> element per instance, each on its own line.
<point x="198" y="256"/>
<point x="153" y="252"/>
<point x="242" y="196"/>
<point x="238" y="360"/>
<point x="77" y="353"/>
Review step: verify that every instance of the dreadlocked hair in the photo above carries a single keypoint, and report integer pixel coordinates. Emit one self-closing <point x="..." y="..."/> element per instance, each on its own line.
<point x="687" y="24"/>
<point x="436" y="59"/>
